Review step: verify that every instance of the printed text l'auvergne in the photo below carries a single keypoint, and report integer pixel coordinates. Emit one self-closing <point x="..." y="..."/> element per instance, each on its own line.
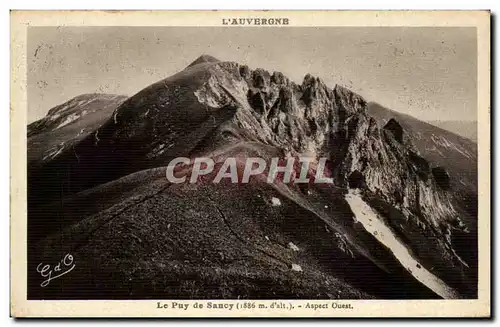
<point x="258" y="21"/>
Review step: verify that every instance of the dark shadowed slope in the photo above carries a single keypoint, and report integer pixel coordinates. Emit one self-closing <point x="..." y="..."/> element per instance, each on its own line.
<point x="137" y="236"/>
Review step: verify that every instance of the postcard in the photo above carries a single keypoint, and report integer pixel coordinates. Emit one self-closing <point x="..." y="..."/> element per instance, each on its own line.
<point x="250" y="164"/>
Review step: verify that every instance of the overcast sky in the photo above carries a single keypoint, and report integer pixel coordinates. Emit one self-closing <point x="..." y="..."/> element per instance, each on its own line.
<point x="429" y="73"/>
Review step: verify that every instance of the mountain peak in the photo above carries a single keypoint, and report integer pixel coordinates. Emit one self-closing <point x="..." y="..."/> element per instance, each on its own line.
<point x="203" y="59"/>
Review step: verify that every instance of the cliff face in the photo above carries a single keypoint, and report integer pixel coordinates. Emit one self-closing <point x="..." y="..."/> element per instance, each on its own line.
<point x="219" y="109"/>
<point x="313" y="119"/>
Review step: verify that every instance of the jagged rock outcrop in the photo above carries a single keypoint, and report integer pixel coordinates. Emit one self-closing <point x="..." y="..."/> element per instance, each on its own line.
<point x="442" y="178"/>
<point x="356" y="179"/>
<point x="313" y="118"/>
<point x="419" y="165"/>
<point x="396" y="129"/>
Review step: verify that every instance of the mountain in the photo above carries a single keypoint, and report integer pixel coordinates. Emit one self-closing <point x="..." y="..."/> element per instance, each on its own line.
<point x="467" y="129"/>
<point x="67" y="124"/>
<point x="390" y="226"/>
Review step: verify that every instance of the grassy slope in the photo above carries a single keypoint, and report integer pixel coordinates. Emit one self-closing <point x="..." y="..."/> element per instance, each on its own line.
<point x="154" y="240"/>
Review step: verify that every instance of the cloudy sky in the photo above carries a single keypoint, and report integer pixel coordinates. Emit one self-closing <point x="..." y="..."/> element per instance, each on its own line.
<point x="429" y="73"/>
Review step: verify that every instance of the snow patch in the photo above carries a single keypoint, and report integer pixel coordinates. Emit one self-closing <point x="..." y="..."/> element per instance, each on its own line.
<point x="296" y="267"/>
<point x="444" y="142"/>
<point x="375" y="226"/>
<point x="54" y="117"/>
<point x="275" y="202"/>
<point x="293" y="247"/>
<point x="54" y="152"/>
<point x="80" y="132"/>
<point x="71" y="118"/>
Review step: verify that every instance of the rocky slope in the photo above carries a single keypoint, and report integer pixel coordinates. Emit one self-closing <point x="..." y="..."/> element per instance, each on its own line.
<point x="458" y="158"/>
<point x="107" y="202"/>
<point x="67" y="124"/>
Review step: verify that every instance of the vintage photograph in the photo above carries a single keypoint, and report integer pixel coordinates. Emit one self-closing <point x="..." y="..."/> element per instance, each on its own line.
<point x="261" y="161"/>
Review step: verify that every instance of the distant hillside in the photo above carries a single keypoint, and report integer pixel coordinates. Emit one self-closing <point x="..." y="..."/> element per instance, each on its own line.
<point x="466" y="129"/>
<point x="67" y="124"/>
